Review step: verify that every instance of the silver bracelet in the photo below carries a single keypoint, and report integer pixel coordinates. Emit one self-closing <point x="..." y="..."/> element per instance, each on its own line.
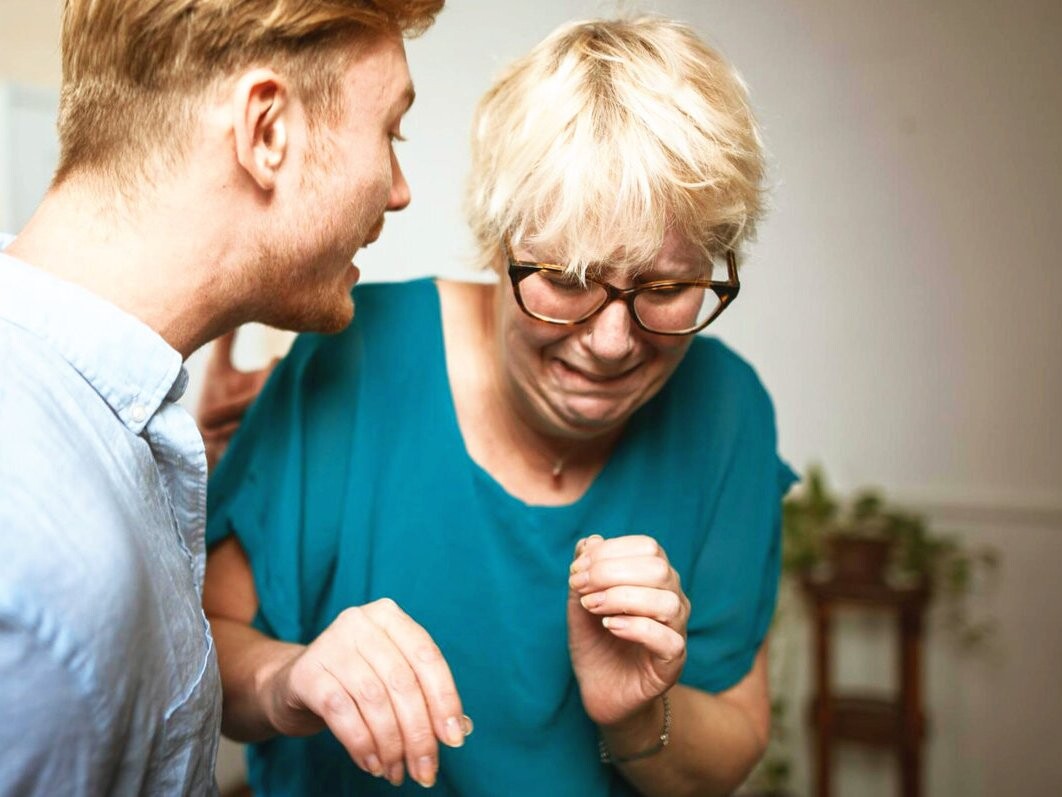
<point x="661" y="743"/>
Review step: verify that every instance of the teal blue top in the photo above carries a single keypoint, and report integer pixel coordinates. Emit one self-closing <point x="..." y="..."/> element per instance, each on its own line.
<point x="349" y="481"/>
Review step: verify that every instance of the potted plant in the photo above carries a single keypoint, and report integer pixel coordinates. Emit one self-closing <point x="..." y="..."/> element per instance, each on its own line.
<point x="870" y="541"/>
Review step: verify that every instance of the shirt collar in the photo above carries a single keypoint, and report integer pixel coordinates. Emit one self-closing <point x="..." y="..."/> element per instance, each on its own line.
<point x="129" y="364"/>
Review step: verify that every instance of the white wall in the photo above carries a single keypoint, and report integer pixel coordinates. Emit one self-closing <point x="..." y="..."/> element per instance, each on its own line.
<point x="901" y="300"/>
<point x="900" y="304"/>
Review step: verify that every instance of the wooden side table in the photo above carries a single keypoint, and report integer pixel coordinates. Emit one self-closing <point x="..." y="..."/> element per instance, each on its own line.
<point x="897" y="723"/>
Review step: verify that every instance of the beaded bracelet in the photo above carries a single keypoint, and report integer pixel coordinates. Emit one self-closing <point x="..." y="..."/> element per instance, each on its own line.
<point x="661" y="743"/>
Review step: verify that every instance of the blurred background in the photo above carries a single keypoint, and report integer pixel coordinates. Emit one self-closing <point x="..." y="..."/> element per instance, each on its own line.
<point x="902" y="304"/>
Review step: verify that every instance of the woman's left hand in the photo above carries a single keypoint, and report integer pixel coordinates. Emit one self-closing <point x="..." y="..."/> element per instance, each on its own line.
<point x="627" y="618"/>
<point x="227" y="394"/>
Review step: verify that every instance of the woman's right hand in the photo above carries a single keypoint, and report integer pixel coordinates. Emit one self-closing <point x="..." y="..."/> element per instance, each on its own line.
<point x="379" y="682"/>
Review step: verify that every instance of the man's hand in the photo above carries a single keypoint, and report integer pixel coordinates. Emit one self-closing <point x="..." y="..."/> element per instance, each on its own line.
<point x="380" y="684"/>
<point x="227" y="393"/>
<point x="627" y="618"/>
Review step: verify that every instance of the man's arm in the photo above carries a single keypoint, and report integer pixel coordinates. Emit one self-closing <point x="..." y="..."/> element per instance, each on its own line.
<point x="374" y="677"/>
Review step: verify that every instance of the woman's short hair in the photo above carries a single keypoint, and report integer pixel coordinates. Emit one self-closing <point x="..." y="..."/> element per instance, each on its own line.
<point x="135" y="70"/>
<point x="607" y="134"/>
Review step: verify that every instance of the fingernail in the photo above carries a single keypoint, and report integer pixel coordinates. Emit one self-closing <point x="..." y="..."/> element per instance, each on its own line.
<point x="425" y="772"/>
<point x="614" y="623"/>
<point x="372" y="763"/>
<point x="467" y="725"/>
<point x="582" y="563"/>
<point x="593" y="600"/>
<point x="455" y="736"/>
<point x="395" y="775"/>
<point x="579" y="580"/>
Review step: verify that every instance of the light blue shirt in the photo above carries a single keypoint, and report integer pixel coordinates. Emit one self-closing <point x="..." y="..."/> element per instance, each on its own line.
<point x="108" y="675"/>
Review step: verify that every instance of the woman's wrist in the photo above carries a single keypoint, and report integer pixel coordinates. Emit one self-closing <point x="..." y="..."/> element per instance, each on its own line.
<point x="271" y="682"/>
<point x="641" y="735"/>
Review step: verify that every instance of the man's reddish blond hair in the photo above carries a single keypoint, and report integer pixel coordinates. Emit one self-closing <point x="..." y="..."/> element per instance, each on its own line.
<point x="133" y="70"/>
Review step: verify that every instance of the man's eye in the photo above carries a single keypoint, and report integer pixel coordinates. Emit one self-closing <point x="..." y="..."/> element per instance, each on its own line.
<point x="396" y="136"/>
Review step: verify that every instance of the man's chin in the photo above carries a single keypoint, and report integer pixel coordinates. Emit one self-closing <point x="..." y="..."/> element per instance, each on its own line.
<point x="327" y="320"/>
<point x="332" y="324"/>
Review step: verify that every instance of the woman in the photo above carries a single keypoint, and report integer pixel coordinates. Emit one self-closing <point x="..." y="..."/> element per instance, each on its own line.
<point x="551" y="479"/>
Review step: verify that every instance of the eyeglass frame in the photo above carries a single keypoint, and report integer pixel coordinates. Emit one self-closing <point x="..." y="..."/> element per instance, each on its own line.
<point x="726" y="291"/>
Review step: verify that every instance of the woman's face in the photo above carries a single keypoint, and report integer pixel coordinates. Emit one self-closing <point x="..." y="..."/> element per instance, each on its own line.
<point x="585" y="381"/>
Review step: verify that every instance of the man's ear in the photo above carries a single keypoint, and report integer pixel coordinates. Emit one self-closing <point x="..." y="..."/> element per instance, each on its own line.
<point x="261" y="113"/>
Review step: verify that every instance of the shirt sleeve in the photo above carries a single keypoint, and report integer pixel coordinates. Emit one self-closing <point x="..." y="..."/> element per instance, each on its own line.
<point x="50" y="741"/>
<point x="275" y="489"/>
<point x="733" y="585"/>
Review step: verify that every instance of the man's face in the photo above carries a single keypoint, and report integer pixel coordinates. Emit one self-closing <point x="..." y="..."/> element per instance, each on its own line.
<point x="348" y="177"/>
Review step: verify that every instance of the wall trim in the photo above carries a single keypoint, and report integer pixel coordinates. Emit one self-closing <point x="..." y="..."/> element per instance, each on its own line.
<point x="1029" y="511"/>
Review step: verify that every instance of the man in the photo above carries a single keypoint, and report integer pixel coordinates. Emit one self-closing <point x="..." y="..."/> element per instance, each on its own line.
<point x="221" y="162"/>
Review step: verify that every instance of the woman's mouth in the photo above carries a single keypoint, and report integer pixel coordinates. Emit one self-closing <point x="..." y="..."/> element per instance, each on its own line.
<point x="593" y="380"/>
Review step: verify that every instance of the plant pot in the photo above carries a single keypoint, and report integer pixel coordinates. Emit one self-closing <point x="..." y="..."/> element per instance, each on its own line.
<point x="855" y="559"/>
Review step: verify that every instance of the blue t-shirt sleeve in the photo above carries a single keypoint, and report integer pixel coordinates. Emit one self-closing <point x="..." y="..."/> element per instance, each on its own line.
<point x="248" y="496"/>
<point x="733" y="582"/>
<point x="279" y="476"/>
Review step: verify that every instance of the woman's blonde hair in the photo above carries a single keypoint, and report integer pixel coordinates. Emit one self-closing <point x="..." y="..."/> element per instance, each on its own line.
<point x="135" y="70"/>
<point x="607" y="134"/>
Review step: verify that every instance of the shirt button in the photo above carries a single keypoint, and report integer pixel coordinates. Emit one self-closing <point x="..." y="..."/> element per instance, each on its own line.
<point x="138" y="413"/>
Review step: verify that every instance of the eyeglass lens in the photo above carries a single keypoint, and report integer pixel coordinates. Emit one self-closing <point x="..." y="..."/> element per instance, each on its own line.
<point x="558" y="297"/>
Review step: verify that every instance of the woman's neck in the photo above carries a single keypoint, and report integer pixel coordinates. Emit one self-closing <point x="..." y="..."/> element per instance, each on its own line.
<point x="536" y="467"/>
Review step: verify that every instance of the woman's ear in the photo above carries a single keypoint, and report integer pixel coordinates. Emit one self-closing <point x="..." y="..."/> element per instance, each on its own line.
<point x="260" y="115"/>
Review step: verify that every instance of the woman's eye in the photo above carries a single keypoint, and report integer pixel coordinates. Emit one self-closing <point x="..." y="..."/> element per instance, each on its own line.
<point x="666" y="293"/>
<point x="562" y="282"/>
<point x="670" y="290"/>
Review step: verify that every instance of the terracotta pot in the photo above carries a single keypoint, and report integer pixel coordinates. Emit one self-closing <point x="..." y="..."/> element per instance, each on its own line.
<point x="855" y="559"/>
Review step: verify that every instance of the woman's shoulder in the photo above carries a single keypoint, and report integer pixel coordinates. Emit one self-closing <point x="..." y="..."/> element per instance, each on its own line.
<point x="715" y="399"/>
<point x="402" y="303"/>
<point x="395" y="297"/>
<point x="384" y="312"/>
<point x="713" y="369"/>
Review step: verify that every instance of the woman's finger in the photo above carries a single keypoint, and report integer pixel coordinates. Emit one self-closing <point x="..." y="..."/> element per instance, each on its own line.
<point x="330" y="699"/>
<point x="229" y="411"/>
<point x="664" y="606"/>
<point x="221" y="351"/>
<point x="404" y="690"/>
<point x="641" y="571"/>
<point x="664" y="643"/>
<point x="351" y="653"/>
<point x="433" y="673"/>
<point x="627" y="545"/>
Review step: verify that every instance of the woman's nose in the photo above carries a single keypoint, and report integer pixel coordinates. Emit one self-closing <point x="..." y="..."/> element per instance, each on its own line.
<point x="610" y="334"/>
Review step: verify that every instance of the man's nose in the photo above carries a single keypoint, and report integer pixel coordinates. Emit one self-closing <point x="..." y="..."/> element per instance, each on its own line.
<point x="400" y="194"/>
